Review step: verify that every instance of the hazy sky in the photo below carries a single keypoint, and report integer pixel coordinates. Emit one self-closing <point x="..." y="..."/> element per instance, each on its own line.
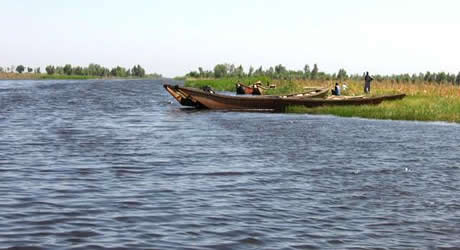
<point x="172" y="37"/>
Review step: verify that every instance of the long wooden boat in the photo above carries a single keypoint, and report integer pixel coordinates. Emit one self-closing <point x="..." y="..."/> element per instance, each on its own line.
<point x="202" y="99"/>
<point x="186" y="100"/>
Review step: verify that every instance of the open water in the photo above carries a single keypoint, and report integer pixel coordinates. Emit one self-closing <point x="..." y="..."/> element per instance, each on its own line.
<point x="118" y="164"/>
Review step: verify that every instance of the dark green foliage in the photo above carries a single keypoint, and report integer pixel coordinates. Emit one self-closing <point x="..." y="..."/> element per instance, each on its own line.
<point x="251" y="70"/>
<point x="29" y="70"/>
<point x="59" y="70"/>
<point x="67" y="69"/>
<point x="50" y="69"/>
<point x="118" y="72"/>
<point x="220" y="70"/>
<point x="282" y="73"/>
<point x="94" y="70"/>
<point x="138" y="71"/>
<point x="77" y="71"/>
<point x="441" y="77"/>
<point x="20" y="69"/>
<point x="306" y="70"/>
<point x="342" y="75"/>
<point x="314" y="72"/>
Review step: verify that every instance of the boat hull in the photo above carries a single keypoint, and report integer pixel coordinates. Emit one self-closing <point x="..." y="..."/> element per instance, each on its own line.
<point x="274" y="103"/>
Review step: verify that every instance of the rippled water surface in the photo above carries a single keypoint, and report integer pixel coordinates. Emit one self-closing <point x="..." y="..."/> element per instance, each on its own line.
<point x="119" y="164"/>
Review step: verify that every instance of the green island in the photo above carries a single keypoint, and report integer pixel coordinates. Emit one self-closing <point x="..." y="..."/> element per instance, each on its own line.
<point x="430" y="96"/>
<point x="69" y="72"/>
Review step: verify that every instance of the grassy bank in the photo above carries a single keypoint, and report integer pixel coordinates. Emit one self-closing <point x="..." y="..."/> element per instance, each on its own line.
<point x="17" y="76"/>
<point x="424" y="101"/>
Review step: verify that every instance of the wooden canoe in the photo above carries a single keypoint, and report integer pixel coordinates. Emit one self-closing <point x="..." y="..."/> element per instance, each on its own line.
<point x="201" y="99"/>
<point x="187" y="100"/>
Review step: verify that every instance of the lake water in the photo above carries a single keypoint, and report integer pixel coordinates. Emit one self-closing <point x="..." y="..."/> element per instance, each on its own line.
<point x="103" y="164"/>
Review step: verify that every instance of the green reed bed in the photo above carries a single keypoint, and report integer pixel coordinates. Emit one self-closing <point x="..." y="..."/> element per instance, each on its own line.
<point x="419" y="108"/>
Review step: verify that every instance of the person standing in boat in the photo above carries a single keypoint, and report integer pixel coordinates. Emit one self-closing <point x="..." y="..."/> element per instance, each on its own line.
<point x="367" y="83"/>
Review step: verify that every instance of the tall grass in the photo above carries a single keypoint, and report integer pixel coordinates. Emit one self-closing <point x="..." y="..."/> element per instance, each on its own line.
<point x="411" y="108"/>
<point x="424" y="102"/>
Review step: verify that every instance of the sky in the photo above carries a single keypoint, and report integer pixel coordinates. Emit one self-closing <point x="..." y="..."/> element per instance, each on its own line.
<point x="173" y="37"/>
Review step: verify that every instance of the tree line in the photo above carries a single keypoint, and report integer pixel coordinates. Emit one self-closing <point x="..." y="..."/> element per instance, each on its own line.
<point x="281" y="72"/>
<point x="95" y="70"/>
<point x="19" y="69"/>
<point x="91" y="70"/>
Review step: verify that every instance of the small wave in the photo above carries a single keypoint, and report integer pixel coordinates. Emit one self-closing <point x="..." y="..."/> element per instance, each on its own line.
<point x="223" y="173"/>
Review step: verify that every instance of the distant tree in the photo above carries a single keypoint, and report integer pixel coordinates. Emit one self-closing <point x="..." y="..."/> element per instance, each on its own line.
<point x="118" y="72"/>
<point x="420" y="77"/>
<point x="270" y="71"/>
<point x="231" y="69"/>
<point x="141" y="71"/>
<point x="20" y="69"/>
<point x="29" y="69"/>
<point x="427" y="76"/>
<point x="2" y="70"/>
<point x="280" y="69"/>
<point x="457" y="79"/>
<point x="59" y="70"/>
<point x="413" y="78"/>
<point x="134" y="70"/>
<point x="77" y="71"/>
<point x="50" y="69"/>
<point x="441" y="77"/>
<point x="193" y="74"/>
<point x="220" y="70"/>
<point x="239" y="71"/>
<point x="37" y="70"/>
<point x="138" y="71"/>
<point x="451" y="78"/>
<point x="306" y="70"/>
<point x="259" y="71"/>
<point x="342" y="75"/>
<point x="67" y="69"/>
<point x="251" y="70"/>
<point x="200" y="70"/>
<point x="314" y="72"/>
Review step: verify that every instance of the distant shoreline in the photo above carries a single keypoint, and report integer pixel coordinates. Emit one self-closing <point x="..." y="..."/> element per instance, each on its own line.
<point x="35" y="76"/>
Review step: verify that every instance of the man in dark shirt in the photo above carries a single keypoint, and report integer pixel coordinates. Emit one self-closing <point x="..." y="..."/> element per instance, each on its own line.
<point x="367" y="83"/>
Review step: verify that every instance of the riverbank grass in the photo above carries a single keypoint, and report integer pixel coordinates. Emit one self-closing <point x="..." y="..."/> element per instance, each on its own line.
<point x="414" y="108"/>
<point x="424" y="101"/>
